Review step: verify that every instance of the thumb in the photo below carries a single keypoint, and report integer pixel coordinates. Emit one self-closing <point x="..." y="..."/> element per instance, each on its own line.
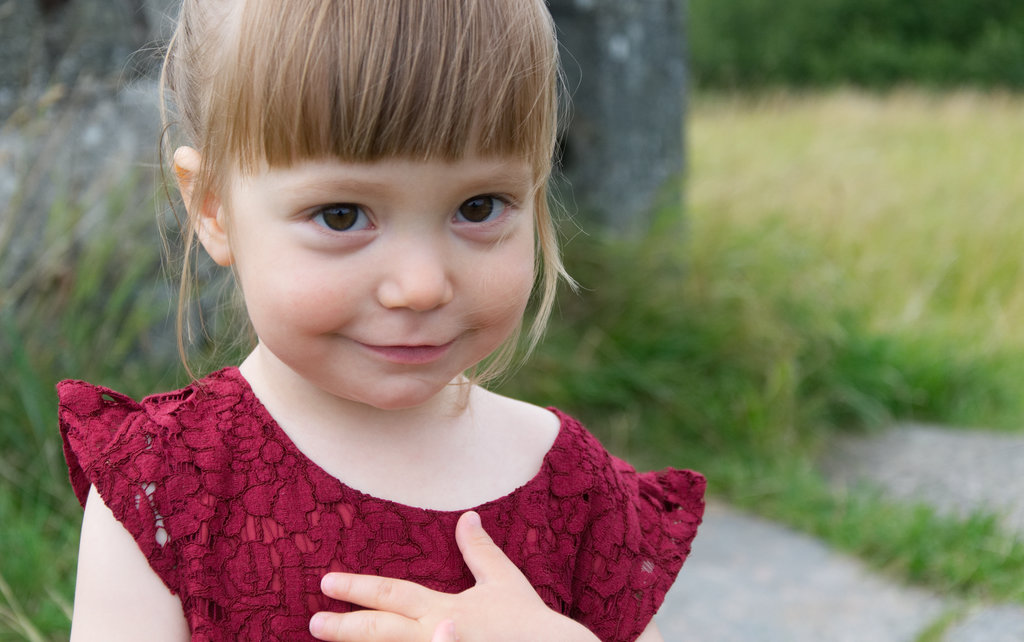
<point x="485" y="560"/>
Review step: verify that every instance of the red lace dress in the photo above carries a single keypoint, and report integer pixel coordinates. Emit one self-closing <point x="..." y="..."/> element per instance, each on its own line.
<point x="241" y="526"/>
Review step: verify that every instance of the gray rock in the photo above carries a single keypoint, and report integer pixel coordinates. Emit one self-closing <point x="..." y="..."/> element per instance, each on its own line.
<point x="958" y="472"/>
<point x="71" y="42"/>
<point x="80" y="151"/>
<point x="22" y="50"/>
<point x="749" y="579"/>
<point x="89" y="169"/>
<point x="626" y="70"/>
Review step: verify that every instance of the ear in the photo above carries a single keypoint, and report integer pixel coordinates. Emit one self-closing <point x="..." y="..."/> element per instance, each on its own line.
<point x="207" y="215"/>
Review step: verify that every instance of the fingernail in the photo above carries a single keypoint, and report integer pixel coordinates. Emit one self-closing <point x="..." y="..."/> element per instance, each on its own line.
<point x="317" y="623"/>
<point x="327" y="583"/>
<point x="473" y="519"/>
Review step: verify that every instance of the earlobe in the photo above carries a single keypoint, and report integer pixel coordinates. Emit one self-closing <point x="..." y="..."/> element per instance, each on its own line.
<point x="206" y="213"/>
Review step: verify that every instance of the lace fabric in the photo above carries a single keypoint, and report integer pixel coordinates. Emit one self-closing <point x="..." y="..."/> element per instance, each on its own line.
<point x="241" y="525"/>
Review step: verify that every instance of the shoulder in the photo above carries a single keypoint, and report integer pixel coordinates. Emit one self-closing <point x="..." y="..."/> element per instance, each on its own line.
<point x="516" y="427"/>
<point x="95" y="412"/>
<point x="139" y="456"/>
<point x="579" y="465"/>
<point x="639" y="530"/>
<point x="81" y="402"/>
<point x="99" y="425"/>
<point x="544" y="422"/>
<point x="578" y="449"/>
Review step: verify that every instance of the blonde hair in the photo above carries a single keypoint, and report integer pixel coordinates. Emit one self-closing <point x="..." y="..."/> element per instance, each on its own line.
<point x="253" y="82"/>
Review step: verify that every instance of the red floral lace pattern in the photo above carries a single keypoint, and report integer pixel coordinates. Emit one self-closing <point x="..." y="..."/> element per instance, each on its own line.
<point x="241" y="526"/>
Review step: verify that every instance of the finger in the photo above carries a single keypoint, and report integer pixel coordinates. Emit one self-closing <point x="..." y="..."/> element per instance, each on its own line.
<point x="364" y="626"/>
<point x="485" y="560"/>
<point x="445" y="632"/>
<point x="379" y="593"/>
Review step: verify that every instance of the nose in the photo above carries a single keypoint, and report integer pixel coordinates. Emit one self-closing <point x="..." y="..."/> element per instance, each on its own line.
<point x="416" y="277"/>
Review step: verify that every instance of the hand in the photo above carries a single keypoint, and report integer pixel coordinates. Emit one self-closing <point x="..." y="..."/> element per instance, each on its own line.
<point x="501" y="607"/>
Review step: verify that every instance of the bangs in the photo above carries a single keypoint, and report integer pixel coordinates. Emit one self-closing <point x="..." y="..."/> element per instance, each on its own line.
<point x="362" y="80"/>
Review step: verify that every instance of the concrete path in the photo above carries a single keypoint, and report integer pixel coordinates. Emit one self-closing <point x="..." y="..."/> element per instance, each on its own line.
<point x="752" y="580"/>
<point x="990" y="624"/>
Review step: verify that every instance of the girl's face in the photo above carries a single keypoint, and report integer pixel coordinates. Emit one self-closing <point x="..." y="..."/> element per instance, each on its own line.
<point x="382" y="282"/>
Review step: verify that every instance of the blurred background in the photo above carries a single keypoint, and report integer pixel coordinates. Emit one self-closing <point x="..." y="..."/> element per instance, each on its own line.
<point x="814" y="230"/>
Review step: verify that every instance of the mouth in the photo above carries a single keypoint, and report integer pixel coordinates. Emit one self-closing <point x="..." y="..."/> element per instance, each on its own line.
<point x="410" y="354"/>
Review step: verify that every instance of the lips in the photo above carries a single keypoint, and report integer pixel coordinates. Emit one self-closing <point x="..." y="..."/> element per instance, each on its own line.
<point x="410" y="354"/>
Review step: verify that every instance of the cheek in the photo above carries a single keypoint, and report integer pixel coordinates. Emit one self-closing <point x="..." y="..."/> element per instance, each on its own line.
<point x="520" y="286"/>
<point x="290" y="301"/>
<point x="505" y="289"/>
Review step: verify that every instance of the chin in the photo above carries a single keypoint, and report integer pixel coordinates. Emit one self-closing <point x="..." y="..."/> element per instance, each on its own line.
<point x="404" y="399"/>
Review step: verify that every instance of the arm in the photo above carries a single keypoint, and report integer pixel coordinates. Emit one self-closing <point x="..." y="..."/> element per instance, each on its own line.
<point x="117" y="594"/>
<point x="651" y="634"/>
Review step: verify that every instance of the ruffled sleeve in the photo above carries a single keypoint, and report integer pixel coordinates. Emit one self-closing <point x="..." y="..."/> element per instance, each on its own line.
<point x="111" y="443"/>
<point x="640" y="533"/>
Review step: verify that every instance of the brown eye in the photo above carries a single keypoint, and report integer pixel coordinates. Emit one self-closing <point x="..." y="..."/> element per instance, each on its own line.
<point x="480" y="209"/>
<point x="341" y="217"/>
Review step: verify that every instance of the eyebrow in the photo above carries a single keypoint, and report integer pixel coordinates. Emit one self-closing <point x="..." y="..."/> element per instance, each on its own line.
<point x="332" y="184"/>
<point x="516" y="180"/>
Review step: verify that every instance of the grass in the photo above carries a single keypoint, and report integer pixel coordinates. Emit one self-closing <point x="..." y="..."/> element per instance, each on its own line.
<point x="846" y="259"/>
<point x="910" y="203"/>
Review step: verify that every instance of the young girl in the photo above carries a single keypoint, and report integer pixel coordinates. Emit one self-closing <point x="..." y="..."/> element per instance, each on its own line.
<point x="373" y="172"/>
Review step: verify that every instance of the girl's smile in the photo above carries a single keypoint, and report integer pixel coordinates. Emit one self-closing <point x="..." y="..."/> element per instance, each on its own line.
<point x="379" y="282"/>
<point x="411" y="354"/>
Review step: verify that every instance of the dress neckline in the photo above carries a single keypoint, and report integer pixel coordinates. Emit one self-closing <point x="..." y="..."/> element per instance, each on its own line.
<point x="232" y="375"/>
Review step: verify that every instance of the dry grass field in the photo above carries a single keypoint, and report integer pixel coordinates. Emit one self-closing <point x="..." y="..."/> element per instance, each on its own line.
<point x="914" y="200"/>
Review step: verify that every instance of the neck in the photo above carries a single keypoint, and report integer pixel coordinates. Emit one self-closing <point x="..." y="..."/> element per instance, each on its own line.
<point x="462" y="447"/>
